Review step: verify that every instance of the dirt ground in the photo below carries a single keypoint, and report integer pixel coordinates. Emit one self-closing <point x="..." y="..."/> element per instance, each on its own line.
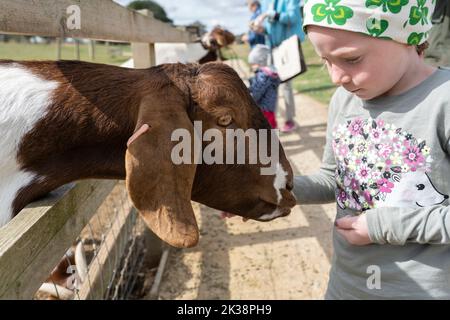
<point x="288" y="258"/>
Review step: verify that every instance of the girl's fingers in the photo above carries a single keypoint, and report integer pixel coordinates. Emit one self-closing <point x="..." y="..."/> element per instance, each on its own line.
<point x="345" y="222"/>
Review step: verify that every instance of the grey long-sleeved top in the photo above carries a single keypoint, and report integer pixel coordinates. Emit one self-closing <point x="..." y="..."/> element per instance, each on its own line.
<point x="389" y="158"/>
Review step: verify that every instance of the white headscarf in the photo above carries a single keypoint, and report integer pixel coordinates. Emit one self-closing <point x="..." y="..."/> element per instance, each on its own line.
<point x="404" y="21"/>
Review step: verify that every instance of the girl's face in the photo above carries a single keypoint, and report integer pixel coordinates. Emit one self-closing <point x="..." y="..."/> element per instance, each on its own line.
<point x="366" y="66"/>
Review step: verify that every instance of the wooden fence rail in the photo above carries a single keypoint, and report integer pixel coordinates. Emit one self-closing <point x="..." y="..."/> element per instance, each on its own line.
<point x="32" y="244"/>
<point x="99" y="20"/>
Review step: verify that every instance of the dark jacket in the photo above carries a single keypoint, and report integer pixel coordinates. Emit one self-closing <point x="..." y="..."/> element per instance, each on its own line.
<point x="264" y="88"/>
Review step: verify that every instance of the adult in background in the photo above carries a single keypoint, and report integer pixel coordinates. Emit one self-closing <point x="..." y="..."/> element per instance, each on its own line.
<point x="254" y="36"/>
<point x="439" y="39"/>
<point x="282" y="20"/>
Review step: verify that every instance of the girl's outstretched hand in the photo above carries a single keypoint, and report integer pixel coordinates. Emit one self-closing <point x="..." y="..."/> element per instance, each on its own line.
<point x="354" y="229"/>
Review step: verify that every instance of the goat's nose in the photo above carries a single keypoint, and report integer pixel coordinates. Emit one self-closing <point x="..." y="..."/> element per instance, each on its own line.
<point x="446" y="196"/>
<point x="288" y="199"/>
<point x="289" y="185"/>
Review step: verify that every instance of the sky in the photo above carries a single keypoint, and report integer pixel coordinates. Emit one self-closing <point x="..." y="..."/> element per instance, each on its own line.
<point x="232" y="14"/>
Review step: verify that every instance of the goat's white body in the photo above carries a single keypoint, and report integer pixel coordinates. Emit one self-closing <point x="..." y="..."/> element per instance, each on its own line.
<point x="175" y="52"/>
<point x="179" y="52"/>
<point x="24" y="99"/>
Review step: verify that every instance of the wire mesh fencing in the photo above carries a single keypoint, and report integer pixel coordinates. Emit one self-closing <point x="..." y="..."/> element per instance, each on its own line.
<point x="108" y="259"/>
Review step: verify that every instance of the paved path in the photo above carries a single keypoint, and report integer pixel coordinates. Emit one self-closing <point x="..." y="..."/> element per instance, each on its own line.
<point x="288" y="258"/>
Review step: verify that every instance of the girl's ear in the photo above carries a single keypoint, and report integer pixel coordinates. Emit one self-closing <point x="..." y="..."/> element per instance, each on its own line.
<point x="159" y="189"/>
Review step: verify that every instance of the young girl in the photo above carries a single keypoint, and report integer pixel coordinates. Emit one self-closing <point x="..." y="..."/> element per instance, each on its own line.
<point x="386" y="161"/>
<point x="264" y="85"/>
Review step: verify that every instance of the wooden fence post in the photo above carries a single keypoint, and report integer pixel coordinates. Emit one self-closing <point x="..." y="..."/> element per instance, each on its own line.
<point x="92" y="50"/>
<point x="144" y="53"/>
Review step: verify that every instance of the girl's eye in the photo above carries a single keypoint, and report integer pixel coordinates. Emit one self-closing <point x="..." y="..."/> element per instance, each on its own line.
<point x="420" y="187"/>
<point x="353" y="60"/>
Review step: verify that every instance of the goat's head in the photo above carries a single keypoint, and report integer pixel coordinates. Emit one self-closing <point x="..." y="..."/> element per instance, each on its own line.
<point x="161" y="190"/>
<point x="218" y="38"/>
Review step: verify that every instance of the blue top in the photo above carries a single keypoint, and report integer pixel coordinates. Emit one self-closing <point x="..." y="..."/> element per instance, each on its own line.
<point x="264" y="88"/>
<point x="287" y="20"/>
<point x="255" y="38"/>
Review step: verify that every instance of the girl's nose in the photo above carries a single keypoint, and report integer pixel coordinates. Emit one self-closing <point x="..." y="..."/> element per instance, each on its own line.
<point x="338" y="76"/>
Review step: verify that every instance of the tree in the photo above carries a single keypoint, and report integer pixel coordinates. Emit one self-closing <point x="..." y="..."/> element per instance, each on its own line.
<point x="200" y="27"/>
<point x="157" y="10"/>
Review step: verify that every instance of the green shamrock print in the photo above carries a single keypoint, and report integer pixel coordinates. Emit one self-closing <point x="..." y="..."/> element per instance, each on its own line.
<point x="394" y="6"/>
<point x="419" y="13"/>
<point x="415" y="38"/>
<point x="376" y="27"/>
<point x="332" y="12"/>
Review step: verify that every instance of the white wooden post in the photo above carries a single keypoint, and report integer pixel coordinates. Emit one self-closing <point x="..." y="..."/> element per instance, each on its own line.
<point x="144" y="53"/>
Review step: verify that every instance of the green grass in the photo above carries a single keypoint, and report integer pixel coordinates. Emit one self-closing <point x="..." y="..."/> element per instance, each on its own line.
<point x="315" y="82"/>
<point x="116" y="54"/>
<point x="236" y="51"/>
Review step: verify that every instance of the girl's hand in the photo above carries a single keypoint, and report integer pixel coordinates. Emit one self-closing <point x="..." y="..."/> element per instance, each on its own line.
<point x="354" y="229"/>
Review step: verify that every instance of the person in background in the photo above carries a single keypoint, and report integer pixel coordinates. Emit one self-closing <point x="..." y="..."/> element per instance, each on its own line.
<point x="264" y="85"/>
<point x="438" y="51"/>
<point x="302" y="5"/>
<point x="282" y="20"/>
<point x="254" y="36"/>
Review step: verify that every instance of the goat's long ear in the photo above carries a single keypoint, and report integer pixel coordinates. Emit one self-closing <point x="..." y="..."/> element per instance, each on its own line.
<point x="159" y="189"/>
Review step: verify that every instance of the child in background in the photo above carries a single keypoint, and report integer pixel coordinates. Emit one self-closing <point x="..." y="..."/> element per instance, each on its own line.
<point x="386" y="161"/>
<point x="264" y="85"/>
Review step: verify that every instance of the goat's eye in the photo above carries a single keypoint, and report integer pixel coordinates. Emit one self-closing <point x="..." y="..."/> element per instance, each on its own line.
<point x="225" y="120"/>
<point x="420" y="187"/>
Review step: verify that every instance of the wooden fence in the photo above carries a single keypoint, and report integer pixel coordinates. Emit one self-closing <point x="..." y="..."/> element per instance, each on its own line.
<point x="32" y="244"/>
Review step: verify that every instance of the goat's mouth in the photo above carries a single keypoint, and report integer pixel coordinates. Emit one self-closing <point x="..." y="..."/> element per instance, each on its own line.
<point x="273" y="210"/>
<point x="263" y="211"/>
<point x="277" y="213"/>
<point x="274" y="213"/>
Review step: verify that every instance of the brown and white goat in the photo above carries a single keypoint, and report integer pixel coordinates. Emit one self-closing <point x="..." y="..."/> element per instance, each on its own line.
<point x="65" y="121"/>
<point x="205" y="50"/>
